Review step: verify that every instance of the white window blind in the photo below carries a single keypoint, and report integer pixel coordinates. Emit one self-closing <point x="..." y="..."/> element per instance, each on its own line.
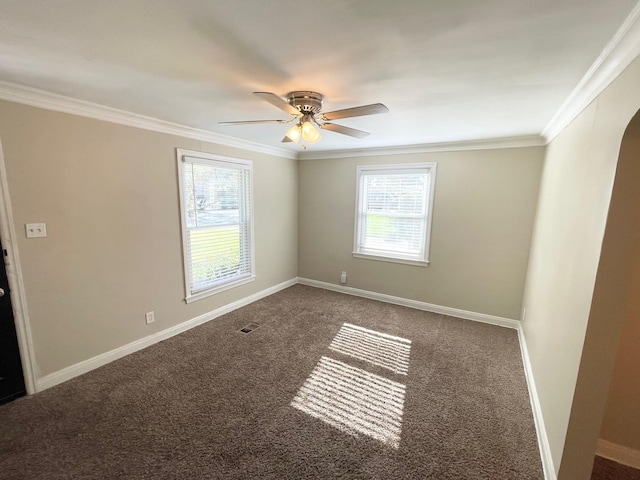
<point x="216" y="222"/>
<point x="393" y="212"/>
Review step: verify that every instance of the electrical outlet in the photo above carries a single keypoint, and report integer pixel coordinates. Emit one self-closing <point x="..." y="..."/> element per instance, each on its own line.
<point x="343" y="278"/>
<point x="149" y="317"/>
<point x="36" y="230"/>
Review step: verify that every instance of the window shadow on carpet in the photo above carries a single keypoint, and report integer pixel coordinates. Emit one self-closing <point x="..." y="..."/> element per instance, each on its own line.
<point x="354" y="400"/>
<point x="373" y="347"/>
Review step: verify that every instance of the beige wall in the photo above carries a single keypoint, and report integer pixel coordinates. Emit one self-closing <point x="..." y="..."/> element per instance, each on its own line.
<point x="621" y="423"/>
<point x="482" y="222"/>
<point x="574" y="284"/>
<point x="109" y="196"/>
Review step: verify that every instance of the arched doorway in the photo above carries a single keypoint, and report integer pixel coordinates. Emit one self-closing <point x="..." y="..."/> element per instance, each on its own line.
<point x="620" y="431"/>
<point x="608" y="312"/>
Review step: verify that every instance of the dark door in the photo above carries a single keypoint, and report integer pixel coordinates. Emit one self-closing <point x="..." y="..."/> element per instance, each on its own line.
<point x="11" y="379"/>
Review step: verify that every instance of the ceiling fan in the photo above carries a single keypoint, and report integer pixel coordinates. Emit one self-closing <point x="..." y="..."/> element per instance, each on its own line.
<point x="305" y="110"/>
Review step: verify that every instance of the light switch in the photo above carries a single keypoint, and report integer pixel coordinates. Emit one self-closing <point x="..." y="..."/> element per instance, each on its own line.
<point x="36" y="230"/>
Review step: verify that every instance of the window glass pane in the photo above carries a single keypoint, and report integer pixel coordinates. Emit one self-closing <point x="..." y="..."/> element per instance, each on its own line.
<point x="392" y="234"/>
<point x="189" y="198"/>
<point x="396" y="193"/>
<point x="216" y="255"/>
<point x="216" y="195"/>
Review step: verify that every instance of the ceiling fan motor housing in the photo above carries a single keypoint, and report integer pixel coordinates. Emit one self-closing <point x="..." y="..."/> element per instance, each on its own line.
<point x="305" y="101"/>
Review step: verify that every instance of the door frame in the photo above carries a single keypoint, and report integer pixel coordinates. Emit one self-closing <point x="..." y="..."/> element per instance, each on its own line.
<point x="16" y="283"/>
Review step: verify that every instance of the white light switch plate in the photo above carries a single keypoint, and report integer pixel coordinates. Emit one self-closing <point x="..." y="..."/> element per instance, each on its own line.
<point x="36" y="230"/>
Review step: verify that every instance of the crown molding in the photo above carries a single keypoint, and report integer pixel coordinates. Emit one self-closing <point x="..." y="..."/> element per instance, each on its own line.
<point x="60" y="103"/>
<point x="487" y="144"/>
<point x="621" y="50"/>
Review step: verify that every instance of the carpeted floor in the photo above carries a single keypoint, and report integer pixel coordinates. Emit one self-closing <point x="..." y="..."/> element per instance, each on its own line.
<point x="604" y="469"/>
<point x="446" y="400"/>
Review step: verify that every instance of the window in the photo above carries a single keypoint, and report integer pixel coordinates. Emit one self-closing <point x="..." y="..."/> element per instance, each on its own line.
<point x="217" y="227"/>
<point x="393" y="212"/>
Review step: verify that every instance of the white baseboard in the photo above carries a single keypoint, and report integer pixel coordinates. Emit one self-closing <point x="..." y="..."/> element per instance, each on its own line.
<point x="618" y="453"/>
<point x="85" y="366"/>
<point x="405" y="302"/>
<point x="541" y="431"/>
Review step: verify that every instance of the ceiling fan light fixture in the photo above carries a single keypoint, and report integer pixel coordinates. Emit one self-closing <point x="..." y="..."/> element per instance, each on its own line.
<point x="310" y="133"/>
<point x="305" y="108"/>
<point x="294" y="133"/>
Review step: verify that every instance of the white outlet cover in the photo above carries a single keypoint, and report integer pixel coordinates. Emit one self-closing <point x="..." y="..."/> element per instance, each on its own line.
<point x="36" y="230"/>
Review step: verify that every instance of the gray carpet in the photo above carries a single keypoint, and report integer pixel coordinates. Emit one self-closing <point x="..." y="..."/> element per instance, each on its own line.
<point x="216" y="403"/>
<point x="604" y="469"/>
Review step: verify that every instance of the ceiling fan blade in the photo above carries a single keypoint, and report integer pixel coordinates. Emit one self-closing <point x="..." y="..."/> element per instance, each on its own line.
<point x="279" y="102"/>
<point x="252" y="122"/>
<point x="352" y="132"/>
<point x="355" y="112"/>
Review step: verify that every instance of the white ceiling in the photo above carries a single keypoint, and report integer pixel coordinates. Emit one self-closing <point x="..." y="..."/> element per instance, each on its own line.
<point x="449" y="70"/>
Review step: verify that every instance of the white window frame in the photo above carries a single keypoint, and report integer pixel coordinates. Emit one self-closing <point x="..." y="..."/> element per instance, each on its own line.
<point x="191" y="156"/>
<point x="360" y="251"/>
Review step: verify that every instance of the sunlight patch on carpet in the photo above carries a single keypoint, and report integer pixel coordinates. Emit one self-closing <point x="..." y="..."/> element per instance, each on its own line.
<point x="353" y="401"/>
<point x="373" y="347"/>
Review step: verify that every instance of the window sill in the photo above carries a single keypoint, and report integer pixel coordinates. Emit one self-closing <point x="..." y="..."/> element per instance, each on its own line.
<point x="369" y="256"/>
<point x="212" y="291"/>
